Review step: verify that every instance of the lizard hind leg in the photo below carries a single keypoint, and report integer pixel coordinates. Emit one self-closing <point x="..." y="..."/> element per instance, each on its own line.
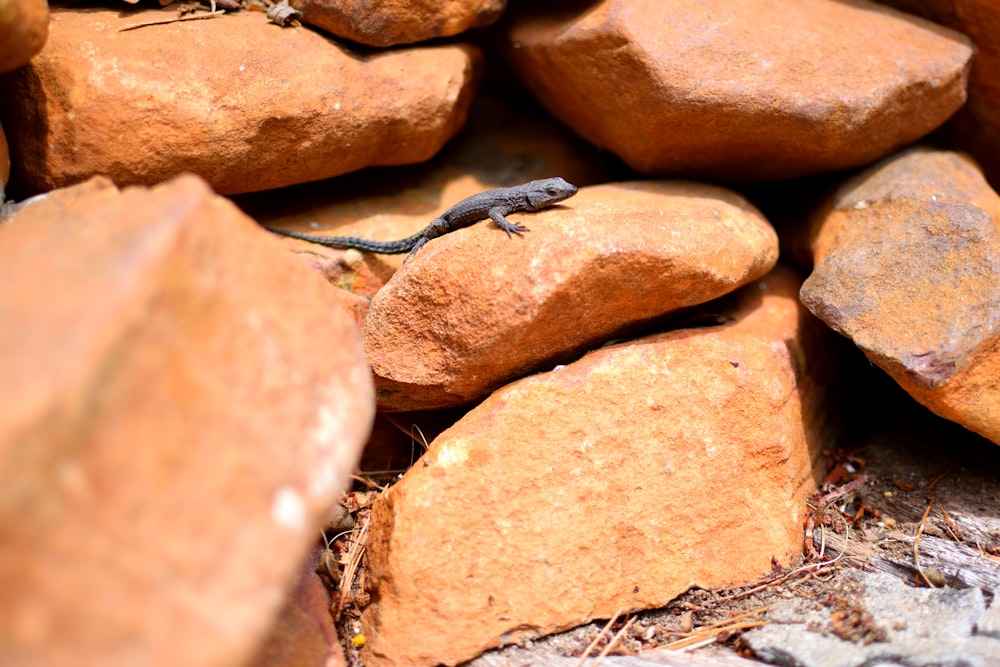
<point x="413" y="251"/>
<point x="510" y="227"/>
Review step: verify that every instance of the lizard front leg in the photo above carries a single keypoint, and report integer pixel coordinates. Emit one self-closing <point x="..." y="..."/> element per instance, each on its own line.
<point x="496" y="215"/>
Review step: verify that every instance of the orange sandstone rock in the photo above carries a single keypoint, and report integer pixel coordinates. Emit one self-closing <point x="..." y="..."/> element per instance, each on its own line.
<point x="750" y="90"/>
<point x="24" y="25"/>
<point x="4" y="163"/>
<point x="614" y="483"/>
<point x="182" y="403"/>
<point x="476" y="309"/>
<point x="976" y="126"/>
<point x="234" y="99"/>
<point x="304" y="635"/>
<point x="392" y="22"/>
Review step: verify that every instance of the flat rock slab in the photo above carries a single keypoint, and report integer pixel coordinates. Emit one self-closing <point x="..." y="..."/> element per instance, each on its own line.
<point x="171" y="438"/>
<point x="876" y="619"/>
<point x="245" y="105"/>
<point x="475" y="309"/>
<point x="710" y="89"/>
<point x="391" y="22"/>
<point x="614" y="483"/>
<point x="908" y="267"/>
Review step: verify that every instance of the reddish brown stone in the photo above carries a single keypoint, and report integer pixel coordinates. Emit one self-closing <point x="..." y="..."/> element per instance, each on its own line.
<point x="4" y="162"/>
<point x="476" y="309"/>
<point x="392" y="22"/>
<point x="501" y="145"/>
<point x="234" y="99"/>
<point x="303" y="635"/>
<point x="24" y="24"/>
<point x="713" y="89"/>
<point x="171" y="439"/>
<point x="908" y="267"/>
<point x="976" y="126"/>
<point x="612" y="484"/>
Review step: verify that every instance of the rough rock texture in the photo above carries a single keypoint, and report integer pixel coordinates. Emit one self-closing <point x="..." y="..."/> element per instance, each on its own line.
<point x="304" y="635"/>
<point x="24" y="24"/>
<point x="170" y="438"/>
<point x="391" y="22"/>
<point x="876" y="619"/>
<point x="976" y="126"/>
<point x="501" y="145"/>
<point x="4" y="163"/>
<point x="711" y="89"/>
<point x="908" y="267"/>
<point x="226" y="98"/>
<point x="615" y="482"/>
<point x="477" y="309"/>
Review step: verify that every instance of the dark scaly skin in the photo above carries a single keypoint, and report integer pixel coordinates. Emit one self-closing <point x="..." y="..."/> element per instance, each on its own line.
<point x="494" y="204"/>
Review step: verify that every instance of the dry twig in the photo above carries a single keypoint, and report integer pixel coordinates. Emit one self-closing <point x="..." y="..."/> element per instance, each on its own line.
<point x="916" y="542"/>
<point x="590" y="647"/>
<point x="175" y="19"/>
<point x="951" y="469"/>
<point x="354" y="555"/>
<point x="956" y="534"/>
<point x="708" y="633"/>
<point x="774" y="582"/>
<point x="614" y="641"/>
<point x="853" y="485"/>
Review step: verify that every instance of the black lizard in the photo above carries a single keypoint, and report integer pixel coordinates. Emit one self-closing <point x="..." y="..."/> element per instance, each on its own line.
<point x="493" y="204"/>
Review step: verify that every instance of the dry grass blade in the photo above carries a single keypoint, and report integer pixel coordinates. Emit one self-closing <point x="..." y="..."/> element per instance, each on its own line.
<point x="176" y="19"/>
<point x="614" y="642"/>
<point x="916" y="542"/>
<point x="951" y="469"/>
<point x="707" y="634"/>
<point x="774" y="582"/>
<point x="842" y="491"/>
<point x="352" y="562"/>
<point x="590" y="647"/>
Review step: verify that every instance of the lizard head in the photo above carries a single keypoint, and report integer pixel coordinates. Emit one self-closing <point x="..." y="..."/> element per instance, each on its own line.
<point x="548" y="191"/>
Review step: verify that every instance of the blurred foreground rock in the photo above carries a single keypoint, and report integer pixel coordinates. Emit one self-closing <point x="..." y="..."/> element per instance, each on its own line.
<point x="24" y="25"/>
<point x="182" y="402"/>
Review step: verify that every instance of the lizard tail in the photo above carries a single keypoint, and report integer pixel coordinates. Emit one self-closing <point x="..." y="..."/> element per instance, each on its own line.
<point x="347" y="242"/>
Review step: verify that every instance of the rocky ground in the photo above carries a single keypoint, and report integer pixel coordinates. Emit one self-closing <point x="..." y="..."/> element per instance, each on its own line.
<point x="739" y="396"/>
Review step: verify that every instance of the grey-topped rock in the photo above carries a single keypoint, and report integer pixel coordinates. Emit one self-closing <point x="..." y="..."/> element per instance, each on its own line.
<point x="907" y="260"/>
